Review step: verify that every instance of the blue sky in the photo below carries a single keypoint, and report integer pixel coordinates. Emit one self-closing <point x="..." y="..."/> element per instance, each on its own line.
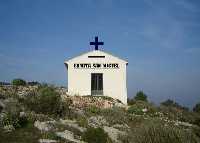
<point x="159" y="38"/>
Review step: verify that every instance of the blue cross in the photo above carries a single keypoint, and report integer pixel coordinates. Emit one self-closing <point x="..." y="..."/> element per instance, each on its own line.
<point x="96" y="43"/>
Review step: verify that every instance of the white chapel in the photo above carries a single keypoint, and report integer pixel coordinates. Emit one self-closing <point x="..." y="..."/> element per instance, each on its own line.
<point x="97" y="73"/>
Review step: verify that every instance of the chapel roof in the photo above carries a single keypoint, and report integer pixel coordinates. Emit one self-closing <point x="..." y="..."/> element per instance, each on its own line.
<point x="95" y="52"/>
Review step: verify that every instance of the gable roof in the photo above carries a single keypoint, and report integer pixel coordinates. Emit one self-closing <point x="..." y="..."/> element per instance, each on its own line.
<point x="94" y="52"/>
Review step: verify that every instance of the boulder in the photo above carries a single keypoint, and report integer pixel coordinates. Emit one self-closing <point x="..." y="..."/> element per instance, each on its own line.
<point x="113" y="133"/>
<point x="9" y="128"/>
<point x="69" y="136"/>
<point x="122" y="127"/>
<point x="44" y="126"/>
<point x="47" y="141"/>
<point x="73" y="124"/>
<point x="97" y="121"/>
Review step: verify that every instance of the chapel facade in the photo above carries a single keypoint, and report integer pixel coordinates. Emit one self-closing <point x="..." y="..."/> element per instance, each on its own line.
<point x="97" y="73"/>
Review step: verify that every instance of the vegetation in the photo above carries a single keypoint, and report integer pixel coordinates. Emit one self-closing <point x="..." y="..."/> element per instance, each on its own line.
<point x="92" y="110"/>
<point x="21" y="135"/>
<point x="157" y="133"/>
<point x="130" y="101"/>
<point x="114" y="115"/>
<point x="141" y="121"/>
<point x="47" y="102"/>
<point x="141" y="96"/>
<point x="95" y="135"/>
<point x="143" y="108"/>
<point x="18" y="82"/>
<point x="171" y="103"/>
<point x="82" y="121"/>
<point x="197" y="108"/>
<point x="32" y="83"/>
<point x="11" y="116"/>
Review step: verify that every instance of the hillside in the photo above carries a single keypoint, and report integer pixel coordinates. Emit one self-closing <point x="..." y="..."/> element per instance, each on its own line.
<point x="43" y="113"/>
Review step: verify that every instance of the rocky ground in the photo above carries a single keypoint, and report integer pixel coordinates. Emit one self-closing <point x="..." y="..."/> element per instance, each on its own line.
<point x="141" y="122"/>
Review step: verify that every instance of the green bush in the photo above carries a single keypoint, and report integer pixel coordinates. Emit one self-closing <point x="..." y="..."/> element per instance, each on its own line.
<point x="197" y="108"/>
<point x="18" y="82"/>
<point x="135" y="110"/>
<point x="48" y="102"/>
<point x="141" y="96"/>
<point x="139" y="106"/>
<point x="95" y="135"/>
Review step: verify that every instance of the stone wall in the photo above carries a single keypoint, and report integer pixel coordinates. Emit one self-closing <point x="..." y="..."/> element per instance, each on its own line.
<point x="98" y="101"/>
<point x="77" y="101"/>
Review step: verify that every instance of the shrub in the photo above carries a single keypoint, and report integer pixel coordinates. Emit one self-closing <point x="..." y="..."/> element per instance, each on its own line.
<point x="82" y="121"/>
<point x="196" y="131"/>
<point x="95" y="135"/>
<point x="32" y="83"/>
<point x="92" y="110"/>
<point x="10" y="119"/>
<point x="12" y="116"/>
<point x="157" y="133"/>
<point x="47" y="102"/>
<point x="197" y="108"/>
<point x="140" y="96"/>
<point x="49" y="135"/>
<point x="197" y="121"/>
<point x="18" y="82"/>
<point x="114" y="115"/>
<point x="130" y="101"/>
<point x="32" y="117"/>
<point x="135" y="110"/>
<point x="139" y="106"/>
<point x="171" y="103"/>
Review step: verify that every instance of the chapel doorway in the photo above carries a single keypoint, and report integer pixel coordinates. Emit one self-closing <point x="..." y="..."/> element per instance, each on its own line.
<point x="96" y="84"/>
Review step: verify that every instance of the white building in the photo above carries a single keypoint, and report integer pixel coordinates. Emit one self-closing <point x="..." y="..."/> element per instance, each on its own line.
<point x="97" y="73"/>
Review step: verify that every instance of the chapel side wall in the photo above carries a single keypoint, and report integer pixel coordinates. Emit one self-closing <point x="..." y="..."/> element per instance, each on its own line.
<point x="125" y="83"/>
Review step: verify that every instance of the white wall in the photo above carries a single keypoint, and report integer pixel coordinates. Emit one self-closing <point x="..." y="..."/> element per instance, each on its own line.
<point x="114" y="80"/>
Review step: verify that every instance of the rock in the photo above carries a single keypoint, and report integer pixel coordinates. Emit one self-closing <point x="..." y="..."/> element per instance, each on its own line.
<point x="47" y="141"/>
<point x="68" y="135"/>
<point x="123" y="127"/>
<point x="76" y="126"/>
<point x="73" y="124"/>
<point x="144" y="110"/>
<point x="113" y="133"/>
<point x="186" y="124"/>
<point x="119" y="104"/>
<point x="87" y="101"/>
<point x="2" y="104"/>
<point x="22" y="114"/>
<point x="44" y="126"/>
<point x="97" y="121"/>
<point x="79" y="112"/>
<point x="9" y="128"/>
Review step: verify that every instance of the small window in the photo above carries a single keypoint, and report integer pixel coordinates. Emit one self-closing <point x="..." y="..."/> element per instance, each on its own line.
<point x="96" y="56"/>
